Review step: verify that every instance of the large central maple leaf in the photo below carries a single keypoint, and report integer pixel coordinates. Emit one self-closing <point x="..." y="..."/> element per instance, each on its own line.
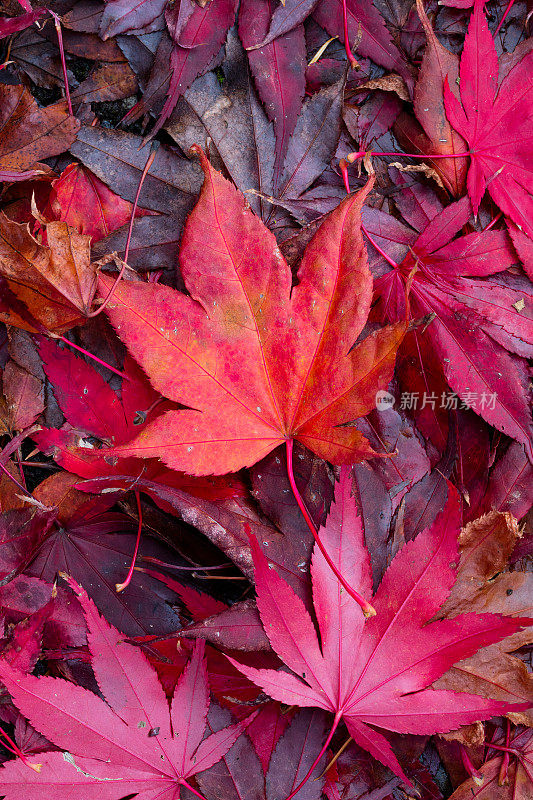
<point x="258" y="362"/>
<point x="378" y="672"/>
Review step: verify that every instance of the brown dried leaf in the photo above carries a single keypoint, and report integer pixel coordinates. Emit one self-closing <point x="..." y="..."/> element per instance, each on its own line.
<point x="107" y="82"/>
<point x="56" y="283"/>
<point x="389" y="83"/>
<point x="425" y="169"/>
<point x="438" y="65"/>
<point x="469" y="735"/>
<point x="58" y="492"/>
<point x="30" y="133"/>
<point x="483" y="586"/>
<point x="486" y="544"/>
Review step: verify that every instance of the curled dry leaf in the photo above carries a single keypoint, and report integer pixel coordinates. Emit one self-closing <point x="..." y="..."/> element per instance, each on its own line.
<point x="484" y="585"/>
<point x="438" y="65"/>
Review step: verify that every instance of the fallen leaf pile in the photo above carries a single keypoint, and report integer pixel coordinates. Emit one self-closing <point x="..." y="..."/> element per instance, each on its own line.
<point x="266" y="466"/>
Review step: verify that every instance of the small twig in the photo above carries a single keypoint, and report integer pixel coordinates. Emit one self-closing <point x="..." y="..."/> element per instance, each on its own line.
<point x="121" y="586"/>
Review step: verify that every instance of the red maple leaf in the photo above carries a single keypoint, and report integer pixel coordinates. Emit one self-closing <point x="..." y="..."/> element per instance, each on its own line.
<point x="480" y="320"/>
<point x="495" y="118"/>
<point x="259" y="364"/>
<point x="96" y="419"/>
<point x="379" y="672"/>
<point x="125" y="744"/>
<point x="84" y="202"/>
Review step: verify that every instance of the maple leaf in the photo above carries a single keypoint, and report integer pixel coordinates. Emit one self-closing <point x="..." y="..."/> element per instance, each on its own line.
<point x="23" y="393"/>
<point x="523" y="245"/>
<point x="10" y="25"/>
<point x="135" y="744"/>
<point x="93" y="409"/>
<point x="375" y="673"/>
<point x="260" y="364"/>
<point x="274" y="764"/>
<point x="233" y="118"/>
<point x="92" y="544"/>
<point x="376" y="41"/>
<point x="494" y="116"/>
<point x="84" y="202"/>
<point x="278" y="69"/>
<point x="225" y="523"/>
<point x="475" y="316"/>
<point x="510" y="487"/>
<point x="96" y="418"/>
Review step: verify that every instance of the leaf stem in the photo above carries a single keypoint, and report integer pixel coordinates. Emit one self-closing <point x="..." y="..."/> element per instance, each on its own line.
<point x="121" y="586"/>
<point x="475" y="774"/>
<point x="509" y="7"/>
<point x="94" y="358"/>
<point x="511" y="750"/>
<point x="351" y="157"/>
<point x="338" y="717"/>
<point x="343" y="166"/>
<point x="367" y="609"/>
<point x="337" y="755"/>
<point x="149" y="162"/>
<point x="57" y="23"/>
<point x="502" y="776"/>
<point x="493" y="222"/>
<point x="190" y="788"/>
<point x="13" y="747"/>
<point x="110" y="292"/>
<point x="15" y="481"/>
<point x="178" y="568"/>
<point x="382" y="253"/>
<point x="349" y="55"/>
